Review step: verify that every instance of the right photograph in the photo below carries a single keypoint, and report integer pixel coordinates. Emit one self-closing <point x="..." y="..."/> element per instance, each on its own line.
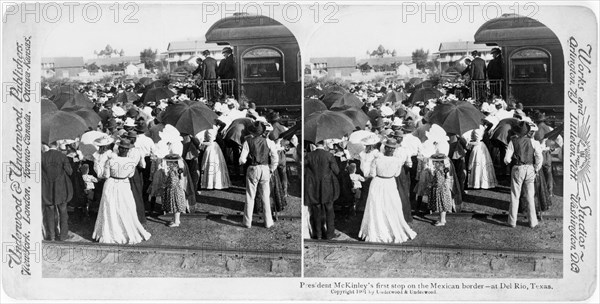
<point x="433" y="147"/>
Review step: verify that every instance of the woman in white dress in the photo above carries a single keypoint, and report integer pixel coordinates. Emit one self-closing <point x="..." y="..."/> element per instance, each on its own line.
<point x="481" y="168"/>
<point x="117" y="220"/>
<point x="213" y="166"/>
<point x="383" y="220"/>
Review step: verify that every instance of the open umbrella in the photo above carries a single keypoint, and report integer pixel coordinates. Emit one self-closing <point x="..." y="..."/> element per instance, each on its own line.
<point x="294" y="130"/>
<point x="359" y="117"/>
<point x="48" y="106"/>
<point x="424" y="94"/>
<point x="393" y="97"/>
<point x="237" y="130"/>
<point x="189" y="117"/>
<point x="69" y="89"/>
<point x="456" y="117"/>
<point x="554" y="133"/>
<point x="334" y="88"/>
<point x="145" y="81"/>
<point x="347" y="100"/>
<point x="312" y="92"/>
<point x="156" y="94"/>
<point x="325" y="125"/>
<point x="125" y="97"/>
<point x="61" y="125"/>
<point x="90" y="116"/>
<point x="312" y="105"/>
<point x="358" y="140"/>
<point x="503" y="131"/>
<point x="72" y="100"/>
<point x="157" y="84"/>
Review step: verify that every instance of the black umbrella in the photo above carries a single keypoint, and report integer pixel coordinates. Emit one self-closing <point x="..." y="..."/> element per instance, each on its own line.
<point x="125" y="97"/>
<point x="358" y="116"/>
<point x="72" y="100"/>
<point x="59" y="125"/>
<point x="48" y="106"/>
<point x="456" y="117"/>
<point x="90" y="116"/>
<point x="189" y="117"/>
<point x="312" y="105"/>
<point x="424" y="94"/>
<point x="238" y="129"/>
<point x="325" y="125"/>
<point x="312" y="92"/>
<point x="156" y="94"/>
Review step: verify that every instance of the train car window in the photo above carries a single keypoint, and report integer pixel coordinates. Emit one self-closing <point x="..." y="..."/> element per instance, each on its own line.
<point x="262" y="64"/>
<point x="530" y="65"/>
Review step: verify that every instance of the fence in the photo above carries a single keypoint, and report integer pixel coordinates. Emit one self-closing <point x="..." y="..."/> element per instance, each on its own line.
<point x="483" y="90"/>
<point x="216" y="87"/>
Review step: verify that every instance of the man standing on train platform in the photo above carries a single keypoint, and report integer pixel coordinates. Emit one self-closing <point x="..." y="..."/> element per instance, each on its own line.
<point x="495" y="72"/>
<point x="257" y="151"/>
<point x="478" y="68"/>
<point x="209" y="74"/>
<point x="226" y="70"/>
<point x="525" y="155"/>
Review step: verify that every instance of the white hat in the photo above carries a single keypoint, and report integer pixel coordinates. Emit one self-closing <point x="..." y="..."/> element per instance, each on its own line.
<point x="104" y="141"/>
<point x="170" y="134"/>
<point x="118" y="111"/>
<point x="129" y="122"/>
<point x="397" y="122"/>
<point x="437" y="133"/>
<point x="386" y="111"/>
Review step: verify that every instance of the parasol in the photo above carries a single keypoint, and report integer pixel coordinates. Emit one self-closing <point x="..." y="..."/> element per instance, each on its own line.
<point x="312" y="92"/>
<point x="90" y="116"/>
<point x="347" y="100"/>
<point x="61" y="125"/>
<point x="312" y="105"/>
<point x="87" y="145"/>
<point x="424" y="94"/>
<point x="456" y="117"/>
<point x="237" y="130"/>
<point x="48" y="106"/>
<point x="72" y="100"/>
<point x="503" y="131"/>
<point x="156" y="94"/>
<point x="359" y="117"/>
<point x="125" y="97"/>
<point x="189" y="117"/>
<point x="325" y="125"/>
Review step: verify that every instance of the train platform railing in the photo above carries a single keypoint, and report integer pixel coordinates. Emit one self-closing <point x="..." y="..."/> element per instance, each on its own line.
<point x="214" y="88"/>
<point x="483" y="90"/>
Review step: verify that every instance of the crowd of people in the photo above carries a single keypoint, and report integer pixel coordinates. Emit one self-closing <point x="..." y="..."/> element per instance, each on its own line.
<point x="132" y="165"/>
<point x="402" y="164"/>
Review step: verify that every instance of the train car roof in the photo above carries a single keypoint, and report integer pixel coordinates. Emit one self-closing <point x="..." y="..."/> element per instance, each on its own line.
<point x="246" y="27"/>
<point x="512" y="29"/>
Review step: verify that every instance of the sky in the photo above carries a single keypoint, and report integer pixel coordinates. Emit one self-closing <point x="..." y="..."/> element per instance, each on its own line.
<point x="344" y="30"/>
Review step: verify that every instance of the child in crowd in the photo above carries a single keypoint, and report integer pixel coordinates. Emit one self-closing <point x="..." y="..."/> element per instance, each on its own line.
<point x="357" y="180"/>
<point x="90" y="182"/>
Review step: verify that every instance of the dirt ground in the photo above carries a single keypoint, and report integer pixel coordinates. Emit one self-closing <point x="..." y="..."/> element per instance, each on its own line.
<point x="212" y="232"/>
<point x="482" y="225"/>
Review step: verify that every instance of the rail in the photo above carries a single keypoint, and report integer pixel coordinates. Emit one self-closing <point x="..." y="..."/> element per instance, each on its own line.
<point x="214" y="88"/>
<point x="483" y="90"/>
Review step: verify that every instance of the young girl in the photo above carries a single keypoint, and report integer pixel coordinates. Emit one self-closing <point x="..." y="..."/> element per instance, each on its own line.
<point x="357" y="180"/>
<point x="173" y="197"/>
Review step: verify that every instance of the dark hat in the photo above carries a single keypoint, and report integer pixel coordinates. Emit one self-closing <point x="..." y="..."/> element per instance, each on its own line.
<point x="521" y="129"/>
<point x="273" y="116"/>
<point x="141" y="128"/>
<point x="392" y="143"/>
<point x="539" y="116"/>
<point x="227" y="50"/>
<point x="130" y="134"/>
<point x="409" y="127"/>
<point x="206" y="52"/>
<point x="398" y="133"/>
<point x="172" y="156"/>
<point x="125" y="143"/>
<point x="378" y="123"/>
<point x="496" y="50"/>
<point x="256" y="128"/>
<point x="111" y="123"/>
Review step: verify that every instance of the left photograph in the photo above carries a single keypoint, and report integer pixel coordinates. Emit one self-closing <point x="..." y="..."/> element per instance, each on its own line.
<point x="170" y="147"/>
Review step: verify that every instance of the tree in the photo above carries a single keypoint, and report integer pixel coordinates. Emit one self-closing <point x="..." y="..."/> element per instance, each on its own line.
<point x="122" y="53"/>
<point x="93" y="67"/>
<point x="148" y="57"/>
<point x="419" y="56"/>
<point x="394" y="53"/>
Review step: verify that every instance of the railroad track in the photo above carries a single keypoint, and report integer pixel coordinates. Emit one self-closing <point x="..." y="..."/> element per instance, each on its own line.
<point x="467" y="214"/>
<point x="433" y="249"/>
<point x="178" y="250"/>
<point x="237" y="215"/>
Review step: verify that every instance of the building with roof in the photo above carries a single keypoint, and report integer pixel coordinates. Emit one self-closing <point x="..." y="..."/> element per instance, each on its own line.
<point x="64" y="67"/>
<point x="180" y="52"/>
<point x="454" y="52"/>
<point x="116" y="60"/>
<point x="333" y="66"/>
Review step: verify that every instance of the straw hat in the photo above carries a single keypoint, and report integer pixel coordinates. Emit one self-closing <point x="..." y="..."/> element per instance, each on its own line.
<point x="104" y="141"/>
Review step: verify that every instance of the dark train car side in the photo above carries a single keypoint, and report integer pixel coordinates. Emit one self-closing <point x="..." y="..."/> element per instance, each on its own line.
<point x="533" y="61"/>
<point x="267" y="60"/>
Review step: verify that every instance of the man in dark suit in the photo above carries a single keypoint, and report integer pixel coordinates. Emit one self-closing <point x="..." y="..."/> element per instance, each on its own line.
<point x="495" y="66"/>
<point x="326" y="190"/>
<point x="209" y="70"/>
<point x="199" y="69"/>
<point x="57" y="190"/>
<point x="226" y="70"/>
<point x="478" y="69"/>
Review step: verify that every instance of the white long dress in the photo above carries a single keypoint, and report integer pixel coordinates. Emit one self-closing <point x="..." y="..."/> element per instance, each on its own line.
<point x="481" y="167"/>
<point x="214" y="168"/>
<point x="117" y="220"/>
<point x="383" y="220"/>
